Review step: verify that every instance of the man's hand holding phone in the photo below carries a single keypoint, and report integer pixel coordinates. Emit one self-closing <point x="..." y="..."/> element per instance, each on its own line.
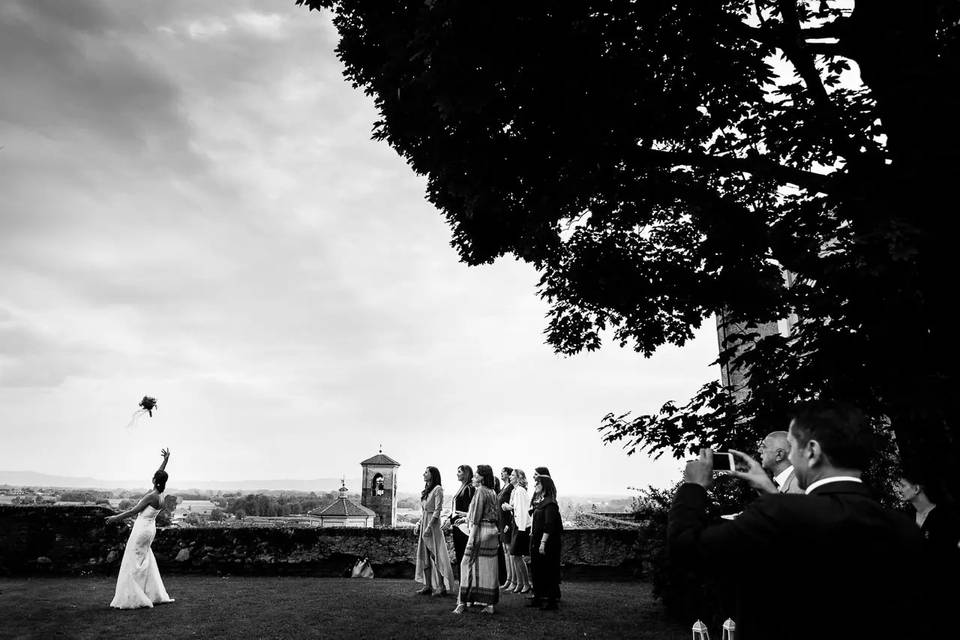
<point x="700" y="471"/>
<point x="736" y="463"/>
<point x="752" y="473"/>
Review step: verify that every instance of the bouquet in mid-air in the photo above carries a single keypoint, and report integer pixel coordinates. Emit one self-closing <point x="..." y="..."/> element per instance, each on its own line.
<point x="148" y="405"/>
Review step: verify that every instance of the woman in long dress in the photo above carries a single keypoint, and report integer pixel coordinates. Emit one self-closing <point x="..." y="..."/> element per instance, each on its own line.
<point x="139" y="583"/>
<point x="433" y="561"/>
<point x="545" y="532"/>
<point x="478" y="571"/>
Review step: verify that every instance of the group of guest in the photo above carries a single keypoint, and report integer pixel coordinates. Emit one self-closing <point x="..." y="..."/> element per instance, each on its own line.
<point x="815" y="555"/>
<point x="495" y="523"/>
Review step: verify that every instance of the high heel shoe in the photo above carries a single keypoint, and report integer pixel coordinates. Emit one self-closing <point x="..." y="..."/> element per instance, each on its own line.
<point x="516" y="589"/>
<point x="459" y="609"/>
<point x="487" y="609"/>
<point x="425" y="591"/>
<point x="526" y="589"/>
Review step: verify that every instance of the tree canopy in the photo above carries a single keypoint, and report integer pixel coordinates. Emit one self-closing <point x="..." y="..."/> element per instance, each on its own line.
<point x="660" y="162"/>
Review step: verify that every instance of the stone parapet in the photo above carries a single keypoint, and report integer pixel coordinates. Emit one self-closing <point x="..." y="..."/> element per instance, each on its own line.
<point x="75" y="540"/>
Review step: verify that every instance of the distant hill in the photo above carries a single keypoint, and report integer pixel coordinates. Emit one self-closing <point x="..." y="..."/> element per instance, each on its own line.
<point x="34" y="479"/>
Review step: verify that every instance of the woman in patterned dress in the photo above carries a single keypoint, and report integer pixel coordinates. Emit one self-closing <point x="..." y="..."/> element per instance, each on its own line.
<point x="478" y="571"/>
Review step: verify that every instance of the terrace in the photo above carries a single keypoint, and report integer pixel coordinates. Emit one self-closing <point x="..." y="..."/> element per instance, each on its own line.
<point x="293" y="607"/>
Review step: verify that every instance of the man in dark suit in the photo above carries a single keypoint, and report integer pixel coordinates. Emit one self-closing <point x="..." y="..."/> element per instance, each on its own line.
<point x="847" y="564"/>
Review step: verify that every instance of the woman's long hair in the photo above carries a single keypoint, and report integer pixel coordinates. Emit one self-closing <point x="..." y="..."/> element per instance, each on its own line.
<point x="548" y="490"/>
<point x="160" y="481"/>
<point x="434" y="481"/>
<point x="538" y="495"/>
<point x="485" y="472"/>
<point x="521" y="477"/>
<point x="467" y="478"/>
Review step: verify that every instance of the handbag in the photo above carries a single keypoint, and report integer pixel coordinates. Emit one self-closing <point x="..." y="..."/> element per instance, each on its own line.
<point x="362" y="569"/>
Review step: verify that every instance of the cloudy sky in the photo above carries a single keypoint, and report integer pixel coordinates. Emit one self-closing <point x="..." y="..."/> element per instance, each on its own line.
<point x="191" y="208"/>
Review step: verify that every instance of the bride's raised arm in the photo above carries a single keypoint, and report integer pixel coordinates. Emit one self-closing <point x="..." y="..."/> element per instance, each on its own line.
<point x="166" y="458"/>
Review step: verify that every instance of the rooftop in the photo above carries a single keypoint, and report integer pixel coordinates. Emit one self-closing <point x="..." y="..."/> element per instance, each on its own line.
<point x="343" y="507"/>
<point x="381" y="459"/>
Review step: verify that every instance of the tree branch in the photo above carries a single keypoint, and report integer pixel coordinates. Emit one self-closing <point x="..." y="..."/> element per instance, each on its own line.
<point x="759" y="166"/>
<point x="802" y="58"/>
<point x="834" y="29"/>
<point x="794" y="48"/>
<point x="826" y="49"/>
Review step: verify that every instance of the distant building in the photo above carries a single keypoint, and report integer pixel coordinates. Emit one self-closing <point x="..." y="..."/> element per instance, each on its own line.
<point x="202" y="508"/>
<point x="344" y="513"/>
<point x="274" y="522"/>
<point x="380" y="488"/>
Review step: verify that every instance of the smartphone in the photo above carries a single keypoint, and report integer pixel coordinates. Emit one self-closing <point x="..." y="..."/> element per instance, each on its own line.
<point x="723" y="461"/>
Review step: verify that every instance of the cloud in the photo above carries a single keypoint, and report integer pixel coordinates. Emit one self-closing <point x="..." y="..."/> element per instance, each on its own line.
<point x="193" y="209"/>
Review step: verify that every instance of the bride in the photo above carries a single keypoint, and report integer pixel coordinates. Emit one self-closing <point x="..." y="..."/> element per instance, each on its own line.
<point x="139" y="583"/>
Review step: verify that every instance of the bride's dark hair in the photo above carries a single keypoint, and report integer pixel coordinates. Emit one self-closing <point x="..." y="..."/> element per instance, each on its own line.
<point x="160" y="481"/>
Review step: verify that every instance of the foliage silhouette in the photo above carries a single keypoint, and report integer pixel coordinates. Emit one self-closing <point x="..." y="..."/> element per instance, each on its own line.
<point x="661" y="162"/>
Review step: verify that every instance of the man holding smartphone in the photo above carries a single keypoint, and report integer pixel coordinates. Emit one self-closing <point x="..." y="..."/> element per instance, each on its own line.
<point x="851" y="563"/>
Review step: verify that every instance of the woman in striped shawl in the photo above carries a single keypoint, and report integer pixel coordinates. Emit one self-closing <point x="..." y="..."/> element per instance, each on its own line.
<point x="478" y="571"/>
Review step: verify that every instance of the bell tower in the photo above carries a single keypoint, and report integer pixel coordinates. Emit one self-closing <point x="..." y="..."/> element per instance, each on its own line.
<point x="380" y="488"/>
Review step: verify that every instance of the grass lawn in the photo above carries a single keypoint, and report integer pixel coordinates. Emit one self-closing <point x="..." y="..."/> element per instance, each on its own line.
<point x="242" y="607"/>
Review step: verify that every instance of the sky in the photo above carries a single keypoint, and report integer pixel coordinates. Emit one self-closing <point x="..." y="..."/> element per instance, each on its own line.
<point x="191" y="208"/>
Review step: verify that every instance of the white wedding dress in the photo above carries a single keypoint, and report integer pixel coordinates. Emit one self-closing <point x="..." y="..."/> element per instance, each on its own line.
<point x="139" y="583"/>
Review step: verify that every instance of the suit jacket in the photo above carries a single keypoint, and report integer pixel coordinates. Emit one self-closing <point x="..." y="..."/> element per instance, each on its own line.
<point x="832" y="564"/>
<point x="790" y="485"/>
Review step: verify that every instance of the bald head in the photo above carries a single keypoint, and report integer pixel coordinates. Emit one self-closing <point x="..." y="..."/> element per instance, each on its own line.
<point x="775" y="452"/>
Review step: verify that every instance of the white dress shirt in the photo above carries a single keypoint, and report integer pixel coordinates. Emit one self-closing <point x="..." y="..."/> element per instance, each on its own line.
<point x="823" y="481"/>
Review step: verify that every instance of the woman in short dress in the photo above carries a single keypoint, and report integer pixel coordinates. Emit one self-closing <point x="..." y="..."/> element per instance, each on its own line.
<point x="519" y="506"/>
<point x="506" y="526"/>
<point x="478" y="571"/>
<point x="139" y="584"/>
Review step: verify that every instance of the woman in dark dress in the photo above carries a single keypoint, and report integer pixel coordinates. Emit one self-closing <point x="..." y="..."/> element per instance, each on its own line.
<point x="940" y="528"/>
<point x="461" y="505"/>
<point x="545" y="533"/>
<point x="503" y="497"/>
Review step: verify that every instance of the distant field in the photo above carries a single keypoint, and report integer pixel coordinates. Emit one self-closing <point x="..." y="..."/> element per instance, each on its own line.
<point x="208" y="607"/>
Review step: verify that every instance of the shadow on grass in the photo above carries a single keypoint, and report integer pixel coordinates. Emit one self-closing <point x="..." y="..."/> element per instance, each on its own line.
<point x="246" y="607"/>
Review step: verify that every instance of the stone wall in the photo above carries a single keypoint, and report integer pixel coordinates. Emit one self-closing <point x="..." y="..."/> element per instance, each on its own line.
<point x="76" y="541"/>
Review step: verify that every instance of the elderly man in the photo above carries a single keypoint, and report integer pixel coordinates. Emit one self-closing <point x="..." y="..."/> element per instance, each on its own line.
<point x="775" y="460"/>
<point x="847" y="564"/>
